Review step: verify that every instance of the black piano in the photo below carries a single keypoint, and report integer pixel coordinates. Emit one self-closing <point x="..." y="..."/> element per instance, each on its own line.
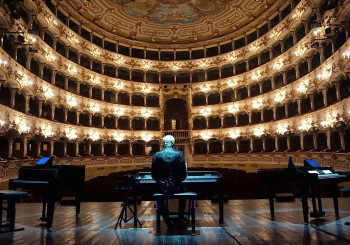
<point x="205" y="183"/>
<point x="50" y="180"/>
<point x="309" y="180"/>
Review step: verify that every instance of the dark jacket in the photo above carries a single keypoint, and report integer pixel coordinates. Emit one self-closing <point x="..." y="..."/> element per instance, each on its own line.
<point x="168" y="161"/>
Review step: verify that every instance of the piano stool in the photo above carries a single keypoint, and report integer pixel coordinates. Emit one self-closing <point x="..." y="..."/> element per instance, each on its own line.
<point x="191" y="196"/>
<point x="12" y="197"/>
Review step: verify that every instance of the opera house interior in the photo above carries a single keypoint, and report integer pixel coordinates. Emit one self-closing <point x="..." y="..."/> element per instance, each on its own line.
<point x="256" y="94"/>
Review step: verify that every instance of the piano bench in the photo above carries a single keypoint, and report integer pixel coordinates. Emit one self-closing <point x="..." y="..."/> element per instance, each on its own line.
<point x="191" y="196"/>
<point x="12" y="197"/>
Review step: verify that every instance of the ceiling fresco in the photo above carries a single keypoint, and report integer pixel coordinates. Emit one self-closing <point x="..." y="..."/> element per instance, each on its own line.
<point x="171" y="21"/>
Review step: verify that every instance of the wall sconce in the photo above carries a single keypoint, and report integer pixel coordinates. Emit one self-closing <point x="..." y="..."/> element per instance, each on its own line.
<point x="146" y="89"/>
<point x="146" y="65"/>
<point x="46" y="131"/>
<point x="234" y="134"/>
<point x="278" y="65"/>
<point x="258" y="131"/>
<point x="256" y="75"/>
<point x="203" y="64"/>
<point x="94" y="107"/>
<point x="300" y="50"/>
<point x="94" y="136"/>
<point x="146" y="137"/>
<point x="118" y="85"/>
<point x="146" y="113"/>
<point x="95" y="80"/>
<point x="119" y="137"/>
<point x="305" y="125"/>
<point x="47" y="92"/>
<point x="24" y="81"/>
<point x="233" y="108"/>
<point x="2" y="123"/>
<point x="346" y="55"/>
<point x="119" y="112"/>
<point x="257" y="103"/>
<point x="95" y="52"/>
<point x="303" y="87"/>
<point x="206" y="135"/>
<point x="71" y="134"/>
<point x="279" y="97"/>
<point x="232" y="82"/>
<point x="119" y="60"/>
<point x="71" y="101"/>
<point x="72" y="70"/>
<point x="281" y="128"/>
<point x="21" y="126"/>
<point x="205" y="112"/>
<point x="175" y="67"/>
<point x="205" y="88"/>
<point x="232" y="57"/>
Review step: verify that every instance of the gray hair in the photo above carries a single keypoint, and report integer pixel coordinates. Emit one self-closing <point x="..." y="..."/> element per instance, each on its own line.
<point x="168" y="139"/>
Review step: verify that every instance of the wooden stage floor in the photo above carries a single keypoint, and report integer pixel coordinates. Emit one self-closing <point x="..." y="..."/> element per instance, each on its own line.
<point x="247" y="220"/>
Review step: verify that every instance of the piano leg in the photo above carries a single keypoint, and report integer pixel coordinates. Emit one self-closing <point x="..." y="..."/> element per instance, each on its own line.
<point x="77" y="201"/>
<point x="43" y="212"/>
<point x="271" y="202"/>
<point x="50" y="213"/>
<point x="335" y="199"/>
<point x="304" y="193"/>
<point x="221" y="206"/>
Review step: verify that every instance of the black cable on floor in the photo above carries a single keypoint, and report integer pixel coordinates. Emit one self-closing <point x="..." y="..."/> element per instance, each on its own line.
<point x="228" y="233"/>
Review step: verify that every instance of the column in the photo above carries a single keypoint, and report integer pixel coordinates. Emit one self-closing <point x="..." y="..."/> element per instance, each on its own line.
<point x="51" y="146"/>
<point x="274" y="113"/>
<point x="102" y="94"/>
<point x="65" y="114"/>
<point x="324" y="93"/>
<point x="276" y="143"/>
<point x="52" y="112"/>
<point x="302" y="142"/>
<point x="90" y="119"/>
<point x="262" y="115"/>
<point x="264" y="143"/>
<point x="312" y="102"/>
<point x="89" y="148"/>
<point x="90" y="91"/>
<point x="130" y="124"/>
<point x="237" y="145"/>
<point x="25" y="147"/>
<point x="78" y="87"/>
<point x="342" y="140"/>
<point x="26" y="106"/>
<point x="250" y="117"/>
<point x="208" y="149"/>
<point x="286" y="109"/>
<point x="130" y="149"/>
<point x="337" y="90"/>
<point x="248" y="89"/>
<point x="64" y="148"/>
<point x="77" y="148"/>
<point x="102" y="148"/>
<point x="66" y="82"/>
<point x="103" y="121"/>
<point x="297" y="72"/>
<point x="10" y="140"/>
<point x="53" y="77"/>
<point x="251" y="142"/>
<point x="78" y="114"/>
<point x="13" y="96"/>
<point x="284" y="75"/>
<point x="223" y="146"/>
<point x="299" y="106"/>
<point x="40" y="107"/>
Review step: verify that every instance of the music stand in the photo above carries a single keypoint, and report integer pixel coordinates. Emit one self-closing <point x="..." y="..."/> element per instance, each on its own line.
<point x="126" y="186"/>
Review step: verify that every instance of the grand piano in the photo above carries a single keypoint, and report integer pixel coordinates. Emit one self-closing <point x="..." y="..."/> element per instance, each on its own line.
<point x="50" y="180"/>
<point x="205" y="183"/>
<point x="309" y="180"/>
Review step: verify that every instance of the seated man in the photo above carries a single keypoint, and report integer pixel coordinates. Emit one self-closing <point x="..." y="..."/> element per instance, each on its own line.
<point x="168" y="170"/>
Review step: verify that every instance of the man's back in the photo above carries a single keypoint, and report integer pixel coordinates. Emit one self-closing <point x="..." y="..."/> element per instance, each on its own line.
<point x="169" y="163"/>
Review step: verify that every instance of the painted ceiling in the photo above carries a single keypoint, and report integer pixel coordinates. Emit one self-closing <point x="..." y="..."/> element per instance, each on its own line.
<point x="171" y="21"/>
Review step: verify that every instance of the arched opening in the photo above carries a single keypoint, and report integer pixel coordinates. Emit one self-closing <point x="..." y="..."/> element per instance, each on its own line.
<point x="97" y="93"/>
<point x="282" y="143"/>
<point x="59" y="80"/>
<point x="318" y="100"/>
<point x="266" y="86"/>
<point x="344" y="88"/>
<point x="152" y="123"/>
<point x="152" y="100"/>
<point x="20" y="102"/>
<point x="138" y="148"/>
<point x="152" y="77"/>
<point x="34" y="106"/>
<point x="253" y="62"/>
<point x="123" y="123"/>
<point x="110" y="96"/>
<point x="138" y="99"/>
<point x="17" y="148"/>
<point x="240" y="67"/>
<point x="308" y="142"/>
<point x="34" y="67"/>
<point x="292" y="109"/>
<point x="58" y="149"/>
<point x="230" y="146"/>
<point x="242" y="93"/>
<point x="175" y="114"/>
<point x="268" y="115"/>
<point x="255" y="117"/>
<point x="278" y="79"/>
<point x="215" y="146"/>
<point x="138" y="123"/>
<point x="96" y="149"/>
<point x="109" y="122"/>
<point x="244" y="146"/>
<point x="243" y="119"/>
<point x="200" y="147"/>
<point x="321" y="139"/>
<point x="270" y="144"/>
<point x="198" y="76"/>
<point x="291" y="75"/>
<point x="280" y="112"/>
<point x="124" y="148"/>
<point x="5" y="95"/>
<point x="85" y="90"/>
<point x="303" y="68"/>
<point x="226" y="71"/>
<point x="167" y="77"/>
<point x="84" y="119"/>
<point x="4" y="149"/>
<point x="72" y="116"/>
<point x="73" y="85"/>
<point x="214" y="122"/>
<point x="199" y="123"/>
<point x="335" y="141"/>
<point x="46" y="149"/>
<point x="213" y="74"/>
<point x="96" y="121"/>
<point x="228" y="95"/>
<point x="254" y="89"/>
<point x="59" y="115"/>
<point x="198" y="99"/>
<point x="46" y="111"/>
<point x="305" y="105"/>
<point x="109" y="149"/>
<point x="229" y="121"/>
<point x="137" y="75"/>
<point x="85" y="61"/>
<point x="83" y="149"/>
<point x="257" y="145"/>
<point x="294" y="141"/>
<point x="71" y="149"/>
<point x="331" y="95"/>
<point x="124" y="73"/>
<point x="123" y="98"/>
<point x="110" y="70"/>
<point x="315" y="60"/>
<point x="183" y="77"/>
<point x="73" y="55"/>
<point x="213" y="98"/>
